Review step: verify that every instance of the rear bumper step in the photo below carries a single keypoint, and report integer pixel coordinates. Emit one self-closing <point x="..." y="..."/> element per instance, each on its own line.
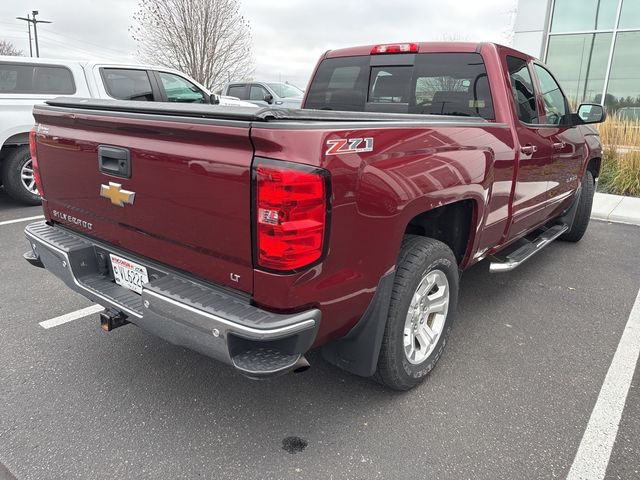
<point x="526" y="251"/>
<point x="205" y="318"/>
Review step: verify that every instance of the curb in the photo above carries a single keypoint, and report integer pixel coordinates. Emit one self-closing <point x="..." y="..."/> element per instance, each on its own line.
<point x="616" y="208"/>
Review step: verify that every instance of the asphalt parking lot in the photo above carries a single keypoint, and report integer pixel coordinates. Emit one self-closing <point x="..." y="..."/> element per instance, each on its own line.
<point x="511" y="397"/>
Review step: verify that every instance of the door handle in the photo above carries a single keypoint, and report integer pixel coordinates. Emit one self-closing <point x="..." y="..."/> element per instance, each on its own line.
<point x="114" y="161"/>
<point x="559" y="146"/>
<point x="528" y="149"/>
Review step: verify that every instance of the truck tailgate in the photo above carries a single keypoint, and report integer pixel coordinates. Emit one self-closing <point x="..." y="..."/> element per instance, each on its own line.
<point x="191" y="178"/>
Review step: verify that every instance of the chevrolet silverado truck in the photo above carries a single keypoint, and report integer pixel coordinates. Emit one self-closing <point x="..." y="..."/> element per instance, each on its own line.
<point x="252" y="236"/>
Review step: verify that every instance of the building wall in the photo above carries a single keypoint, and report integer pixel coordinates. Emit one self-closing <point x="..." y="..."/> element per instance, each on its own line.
<point x="590" y="45"/>
<point x="531" y="26"/>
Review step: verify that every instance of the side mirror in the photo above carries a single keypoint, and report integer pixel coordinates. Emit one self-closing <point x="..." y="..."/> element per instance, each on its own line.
<point x="214" y="99"/>
<point x="268" y="98"/>
<point x="591" y="113"/>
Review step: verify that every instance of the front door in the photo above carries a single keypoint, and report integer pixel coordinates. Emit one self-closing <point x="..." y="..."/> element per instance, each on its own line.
<point x="567" y="142"/>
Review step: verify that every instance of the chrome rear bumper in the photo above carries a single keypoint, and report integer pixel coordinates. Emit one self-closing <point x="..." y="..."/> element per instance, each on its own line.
<point x="185" y="311"/>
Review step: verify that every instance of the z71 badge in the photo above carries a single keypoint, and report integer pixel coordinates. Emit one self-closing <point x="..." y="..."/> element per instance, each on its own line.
<point x="349" y="145"/>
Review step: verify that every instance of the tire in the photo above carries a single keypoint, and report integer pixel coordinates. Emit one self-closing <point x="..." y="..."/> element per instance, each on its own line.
<point x="583" y="212"/>
<point x="421" y="260"/>
<point x="12" y="176"/>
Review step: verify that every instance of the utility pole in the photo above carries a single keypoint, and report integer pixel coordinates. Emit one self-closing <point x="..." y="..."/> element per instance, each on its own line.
<point x="35" y="23"/>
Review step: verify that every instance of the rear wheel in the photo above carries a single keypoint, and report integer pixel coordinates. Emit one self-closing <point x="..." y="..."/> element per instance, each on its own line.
<point x="17" y="176"/>
<point x="423" y="303"/>
<point x="583" y="213"/>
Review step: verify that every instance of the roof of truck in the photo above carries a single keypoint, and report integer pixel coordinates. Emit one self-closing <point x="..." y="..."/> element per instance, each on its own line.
<point x="422" y="47"/>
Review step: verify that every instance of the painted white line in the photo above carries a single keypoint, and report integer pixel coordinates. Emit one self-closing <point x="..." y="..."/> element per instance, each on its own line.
<point x="69" y="317"/>
<point x="597" y="442"/>
<point x="18" y="220"/>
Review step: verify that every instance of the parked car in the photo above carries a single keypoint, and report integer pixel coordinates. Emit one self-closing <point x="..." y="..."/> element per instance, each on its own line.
<point x="628" y="114"/>
<point x="264" y="94"/>
<point x="25" y="82"/>
<point x="340" y="226"/>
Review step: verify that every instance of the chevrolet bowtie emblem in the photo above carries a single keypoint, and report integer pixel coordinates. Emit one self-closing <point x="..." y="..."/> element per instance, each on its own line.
<point x="116" y="194"/>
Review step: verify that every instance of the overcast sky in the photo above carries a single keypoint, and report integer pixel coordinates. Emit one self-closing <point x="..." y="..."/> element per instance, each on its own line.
<point x="288" y="35"/>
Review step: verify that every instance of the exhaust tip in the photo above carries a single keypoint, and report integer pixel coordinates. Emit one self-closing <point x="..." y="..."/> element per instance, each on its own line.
<point x="301" y="365"/>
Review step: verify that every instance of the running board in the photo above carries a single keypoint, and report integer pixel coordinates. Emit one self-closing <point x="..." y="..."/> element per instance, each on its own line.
<point x="519" y="256"/>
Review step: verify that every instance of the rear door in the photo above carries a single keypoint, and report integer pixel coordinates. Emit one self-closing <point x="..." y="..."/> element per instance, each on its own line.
<point x="238" y="90"/>
<point x="534" y="150"/>
<point x="130" y="84"/>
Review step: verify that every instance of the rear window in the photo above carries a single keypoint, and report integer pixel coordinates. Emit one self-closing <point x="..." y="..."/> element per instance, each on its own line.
<point x="128" y="84"/>
<point x="237" y="91"/>
<point x="436" y="84"/>
<point x="30" y="78"/>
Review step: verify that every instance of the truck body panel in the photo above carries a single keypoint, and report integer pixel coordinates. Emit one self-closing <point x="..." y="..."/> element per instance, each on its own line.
<point x="192" y="185"/>
<point x="194" y="174"/>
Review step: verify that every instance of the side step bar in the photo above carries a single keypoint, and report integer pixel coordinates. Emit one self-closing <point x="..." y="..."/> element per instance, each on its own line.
<point x="519" y="256"/>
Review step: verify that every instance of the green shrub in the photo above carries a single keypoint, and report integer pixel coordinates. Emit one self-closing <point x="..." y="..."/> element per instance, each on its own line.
<point x="620" y="174"/>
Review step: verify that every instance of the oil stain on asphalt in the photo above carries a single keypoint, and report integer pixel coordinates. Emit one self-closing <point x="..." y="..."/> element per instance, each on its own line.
<point x="294" y="444"/>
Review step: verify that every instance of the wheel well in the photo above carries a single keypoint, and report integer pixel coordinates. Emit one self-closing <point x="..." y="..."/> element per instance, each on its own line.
<point x="17" y="139"/>
<point x="450" y="224"/>
<point x="594" y="167"/>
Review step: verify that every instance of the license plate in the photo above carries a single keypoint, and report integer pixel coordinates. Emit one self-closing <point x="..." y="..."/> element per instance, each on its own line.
<point x="128" y="274"/>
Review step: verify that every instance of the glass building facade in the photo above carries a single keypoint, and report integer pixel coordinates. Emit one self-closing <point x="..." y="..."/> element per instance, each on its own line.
<point x="592" y="46"/>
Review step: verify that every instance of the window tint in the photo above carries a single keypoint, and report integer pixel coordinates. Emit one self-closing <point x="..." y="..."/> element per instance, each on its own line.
<point x="21" y="78"/>
<point x="284" y="90"/>
<point x="257" y="93"/>
<point x="523" y="91"/>
<point x="179" y="89"/>
<point x="128" y="84"/>
<point x="390" y="84"/>
<point x="555" y="105"/>
<point x="340" y="84"/>
<point x="237" y="91"/>
<point x="451" y="84"/>
<point x="437" y="84"/>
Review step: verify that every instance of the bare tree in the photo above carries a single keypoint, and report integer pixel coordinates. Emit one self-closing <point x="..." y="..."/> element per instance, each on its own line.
<point x="8" y="48"/>
<point x="207" y="39"/>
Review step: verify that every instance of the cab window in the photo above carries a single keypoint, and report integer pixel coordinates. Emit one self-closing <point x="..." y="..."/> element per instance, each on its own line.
<point x="555" y="104"/>
<point x="238" y="91"/>
<point x="128" y="84"/>
<point x="524" y="94"/>
<point x="257" y="93"/>
<point x="179" y="89"/>
<point x="32" y="78"/>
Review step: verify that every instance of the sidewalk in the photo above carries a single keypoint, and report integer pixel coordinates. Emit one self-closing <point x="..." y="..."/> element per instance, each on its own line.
<point x="616" y="208"/>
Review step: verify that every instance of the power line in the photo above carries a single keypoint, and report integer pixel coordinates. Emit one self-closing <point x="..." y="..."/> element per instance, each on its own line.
<point x="33" y="21"/>
<point x="74" y="39"/>
<point x="105" y="52"/>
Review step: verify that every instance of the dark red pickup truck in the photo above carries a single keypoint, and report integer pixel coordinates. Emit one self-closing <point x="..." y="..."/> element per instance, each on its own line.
<point x="252" y="236"/>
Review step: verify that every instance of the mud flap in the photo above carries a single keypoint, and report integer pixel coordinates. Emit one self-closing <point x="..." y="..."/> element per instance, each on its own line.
<point x="357" y="352"/>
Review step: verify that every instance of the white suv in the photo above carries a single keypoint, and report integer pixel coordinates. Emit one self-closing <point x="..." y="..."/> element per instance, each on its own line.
<point x="25" y="82"/>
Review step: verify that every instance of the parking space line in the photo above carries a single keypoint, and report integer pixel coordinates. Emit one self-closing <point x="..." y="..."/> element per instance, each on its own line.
<point x="69" y="317"/>
<point x="18" y="220"/>
<point x="597" y="442"/>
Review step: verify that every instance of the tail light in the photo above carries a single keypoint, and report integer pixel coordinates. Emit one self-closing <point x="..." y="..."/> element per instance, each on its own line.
<point x="395" y="48"/>
<point x="291" y="215"/>
<point x="34" y="162"/>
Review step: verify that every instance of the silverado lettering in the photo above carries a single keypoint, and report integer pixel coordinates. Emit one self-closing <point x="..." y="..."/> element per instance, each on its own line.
<point x="258" y="234"/>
